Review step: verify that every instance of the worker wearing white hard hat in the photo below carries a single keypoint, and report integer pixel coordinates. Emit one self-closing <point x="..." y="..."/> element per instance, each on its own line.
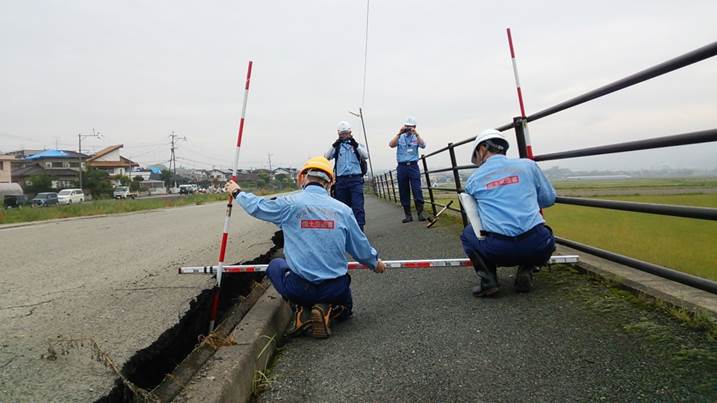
<point x="509" y="194"/>
<point x="349" y="167"/>
<point x="407" y="142"/>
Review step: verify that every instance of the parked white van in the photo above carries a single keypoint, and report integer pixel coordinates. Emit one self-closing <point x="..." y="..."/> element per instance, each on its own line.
<point x="70" y="196"/>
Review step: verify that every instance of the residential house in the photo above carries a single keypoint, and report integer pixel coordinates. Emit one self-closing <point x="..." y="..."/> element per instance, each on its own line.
<point x="109" y="160"/>
<point x="218" y="175"/>
<point x="6" y="168"/>
<point x="62" y="166"/>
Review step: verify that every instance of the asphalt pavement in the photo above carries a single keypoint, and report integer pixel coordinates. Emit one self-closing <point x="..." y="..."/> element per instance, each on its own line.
<point x="420" y="336"/>
<point x="111" y="279"/>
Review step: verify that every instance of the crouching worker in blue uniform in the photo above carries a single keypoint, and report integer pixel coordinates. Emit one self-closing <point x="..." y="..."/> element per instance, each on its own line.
<point x="318" y="231"/>
<point x="509" y="194"/>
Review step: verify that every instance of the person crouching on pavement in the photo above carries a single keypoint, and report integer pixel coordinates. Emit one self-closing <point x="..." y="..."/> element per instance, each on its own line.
<point x="318" y="231"/>
<point x="349" y="168"/>
<point x="407" y="141"/>
<point x="509" y="194"/>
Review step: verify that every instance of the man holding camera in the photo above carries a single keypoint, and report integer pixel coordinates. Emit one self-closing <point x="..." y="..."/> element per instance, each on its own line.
<point x="407" y="141"/>
<point x="349" y="168"/>
<point x="509" y="195"/>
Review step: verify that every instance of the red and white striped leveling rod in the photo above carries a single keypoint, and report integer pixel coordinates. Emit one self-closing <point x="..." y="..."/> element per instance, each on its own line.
<point x="227" y="218"/>
<point x="391" y="264"/>
<point x="528" y="144"/>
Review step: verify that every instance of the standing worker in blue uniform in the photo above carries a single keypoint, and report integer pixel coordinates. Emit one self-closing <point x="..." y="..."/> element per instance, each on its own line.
<point x="509" y="194"/>
<point x="349" y="167"/>
<point x="318" y="231"/>
<point x="407" y="141"/>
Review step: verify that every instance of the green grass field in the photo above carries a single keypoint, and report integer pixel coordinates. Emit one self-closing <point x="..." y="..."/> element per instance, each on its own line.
<point x="97" y="207"/>
<point x="688" y="245"/>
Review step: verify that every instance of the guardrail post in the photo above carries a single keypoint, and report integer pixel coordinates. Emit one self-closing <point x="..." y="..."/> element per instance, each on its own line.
<point x="393" y="187"/>
<point x="457" y="179"/>
<point x="519" y="125"/>
<point x="384" y="186"/>
<point x="428" y="184"/>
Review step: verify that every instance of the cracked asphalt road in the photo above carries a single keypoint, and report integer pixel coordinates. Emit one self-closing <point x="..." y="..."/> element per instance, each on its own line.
<point x="420" y="336"/>
<point x="113" y="279"/>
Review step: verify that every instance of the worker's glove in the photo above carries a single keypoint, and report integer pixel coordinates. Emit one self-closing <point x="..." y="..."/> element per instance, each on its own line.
<point x="232" y="188"/>
<point x="353" y="142"/>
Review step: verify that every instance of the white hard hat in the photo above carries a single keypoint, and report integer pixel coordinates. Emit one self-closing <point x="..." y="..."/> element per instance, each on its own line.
<point x="484" y="136"/>
<point x="410" y="121"/>
<point x="343" y="126"/>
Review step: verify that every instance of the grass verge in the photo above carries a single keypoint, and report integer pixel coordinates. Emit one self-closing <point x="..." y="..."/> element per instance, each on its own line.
<point x="107" y="206"/>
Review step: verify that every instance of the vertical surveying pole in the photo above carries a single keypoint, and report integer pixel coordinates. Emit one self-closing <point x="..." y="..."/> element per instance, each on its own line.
<point x="523" y="122"/>
<point x="230" y="201"/>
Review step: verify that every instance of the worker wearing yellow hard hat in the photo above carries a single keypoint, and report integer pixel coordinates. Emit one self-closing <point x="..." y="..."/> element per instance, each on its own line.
<point x="318" y="231"/>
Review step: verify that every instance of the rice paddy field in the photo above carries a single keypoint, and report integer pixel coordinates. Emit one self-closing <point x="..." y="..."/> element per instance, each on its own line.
<point x="684" y="244"/>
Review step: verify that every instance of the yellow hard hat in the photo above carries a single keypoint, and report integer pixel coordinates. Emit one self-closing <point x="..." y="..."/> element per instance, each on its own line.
<point x="320" y="163"/>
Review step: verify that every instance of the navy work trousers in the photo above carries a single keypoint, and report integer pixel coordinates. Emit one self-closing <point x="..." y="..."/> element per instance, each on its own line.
<point x="409" y="180"/>
<point x="299" y="291"/>
<point x="349" y="191"/>
<point x="533" y="248"/>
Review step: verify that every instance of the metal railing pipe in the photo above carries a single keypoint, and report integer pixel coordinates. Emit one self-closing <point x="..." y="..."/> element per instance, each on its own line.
<point x="428" y="184"/>
<point x="703" y="136"/>
<point x="702" y="213"/>
<point x="457" y="179"/>
<point x="674" y="275"/>
<point x="686" y="59"/>
<point x="393" y="185"/>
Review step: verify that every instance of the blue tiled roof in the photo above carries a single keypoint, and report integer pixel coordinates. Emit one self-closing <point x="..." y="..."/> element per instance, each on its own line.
<point x="52" y="154"/>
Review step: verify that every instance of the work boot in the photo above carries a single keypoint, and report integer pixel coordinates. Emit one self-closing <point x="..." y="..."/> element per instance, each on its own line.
<point x="488" y="280"/>
<point x="300" y="322"/>
<point x="419" y="211"/>
<point x="321" y="321"/>
<point x="407" y="212"/>
<point x="524" y="278"/>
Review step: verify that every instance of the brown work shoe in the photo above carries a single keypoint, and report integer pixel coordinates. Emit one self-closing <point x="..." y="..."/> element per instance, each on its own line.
<point x="300" y="322"/>
<point x="321" y="321"/>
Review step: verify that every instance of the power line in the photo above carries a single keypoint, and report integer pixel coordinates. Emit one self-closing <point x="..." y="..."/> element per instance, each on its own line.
<point x="365" y="57"/>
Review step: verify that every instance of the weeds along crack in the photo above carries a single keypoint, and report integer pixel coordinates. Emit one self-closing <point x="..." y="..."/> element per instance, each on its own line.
<point x="148" y="367"/>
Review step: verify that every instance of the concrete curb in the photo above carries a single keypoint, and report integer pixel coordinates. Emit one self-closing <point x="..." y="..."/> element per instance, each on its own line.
<point x="655" y="287"/>
<point x="229" y="375"/>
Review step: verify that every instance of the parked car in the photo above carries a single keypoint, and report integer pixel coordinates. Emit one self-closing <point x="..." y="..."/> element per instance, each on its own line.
<point x="16" y="201"/>
<point x="188" y="189"/>
<point x="70" y="196"/>
<point x="45" y="199"/>
<point x="123" y="192"/>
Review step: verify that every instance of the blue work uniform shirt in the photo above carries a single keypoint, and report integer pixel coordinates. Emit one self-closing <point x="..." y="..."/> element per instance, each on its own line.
<point x="318" y="231"/>
<point x="348" y="164"/>
<point x="510" y="194"/>
<point x="407" y="148"/>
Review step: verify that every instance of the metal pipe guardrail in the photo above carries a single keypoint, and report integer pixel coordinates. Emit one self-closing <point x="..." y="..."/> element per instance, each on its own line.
<point x="674" y="275"/>
<point x="702" y="213"/>
<point x="703" y="136"/>
<point x="518" y="123"/>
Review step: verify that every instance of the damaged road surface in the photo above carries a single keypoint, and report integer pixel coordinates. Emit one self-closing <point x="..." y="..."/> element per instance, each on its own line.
<point x="83" y="298"/>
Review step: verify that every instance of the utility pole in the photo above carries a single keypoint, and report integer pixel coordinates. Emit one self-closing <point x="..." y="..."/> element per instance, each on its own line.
<point x="270" y="164"/>
<point x="365" y="138"/>
<point x="173" y="159"/>
<point x="79" y="147"/>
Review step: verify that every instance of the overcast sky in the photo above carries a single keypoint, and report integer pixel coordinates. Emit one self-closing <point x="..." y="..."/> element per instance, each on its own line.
<point x="138" y="70"/>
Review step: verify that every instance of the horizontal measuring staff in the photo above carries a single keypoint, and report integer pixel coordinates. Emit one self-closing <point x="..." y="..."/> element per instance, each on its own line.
<point x="390" y="264"/>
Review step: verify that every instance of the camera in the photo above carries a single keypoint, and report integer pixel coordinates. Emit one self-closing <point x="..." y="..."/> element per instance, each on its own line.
<point x="406" y="129"/>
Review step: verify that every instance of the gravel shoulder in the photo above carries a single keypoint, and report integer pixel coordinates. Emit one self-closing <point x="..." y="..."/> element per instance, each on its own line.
<point x="420" y="336"/>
